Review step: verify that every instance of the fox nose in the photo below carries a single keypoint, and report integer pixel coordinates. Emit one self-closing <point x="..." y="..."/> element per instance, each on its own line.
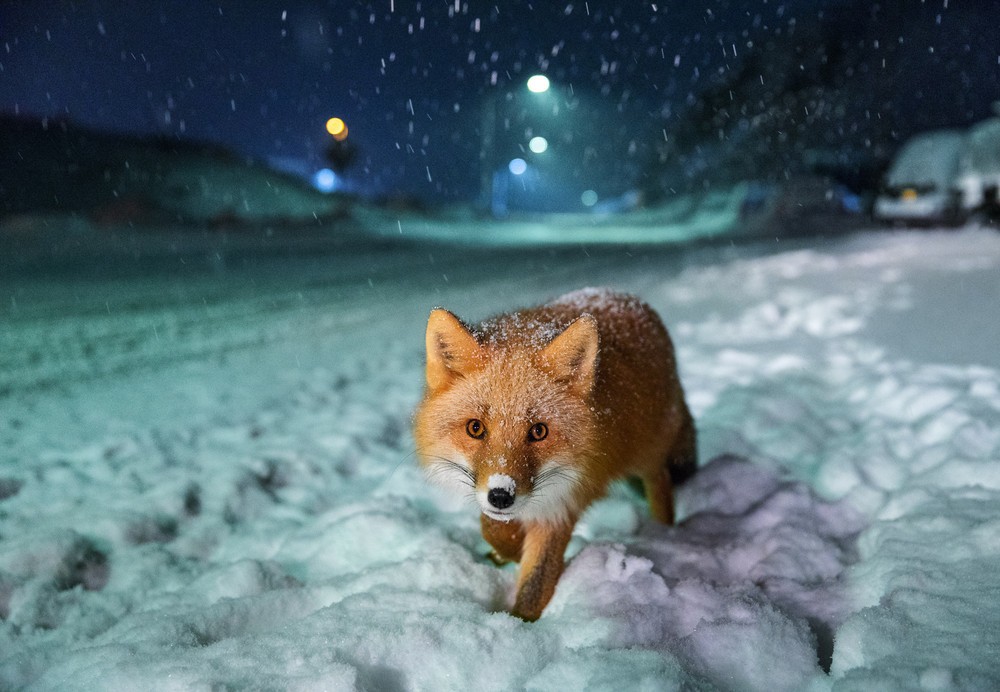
<point x="501" y="498"/>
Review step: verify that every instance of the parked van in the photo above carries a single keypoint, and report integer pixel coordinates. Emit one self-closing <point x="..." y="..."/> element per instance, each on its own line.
<point x="922" y="183"/>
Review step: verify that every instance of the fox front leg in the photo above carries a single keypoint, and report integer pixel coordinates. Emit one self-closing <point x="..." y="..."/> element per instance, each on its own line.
<point x="505" y="537"/>
<point x="541" y="567"/>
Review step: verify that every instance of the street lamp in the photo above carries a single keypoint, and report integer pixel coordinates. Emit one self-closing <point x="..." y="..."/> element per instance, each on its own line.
<point x="341" y="152"/>
<point x="538" y="145"/>
<point x="493" y="149"/>
<point x="538" y="84"/>
<point x="337" y="128"/>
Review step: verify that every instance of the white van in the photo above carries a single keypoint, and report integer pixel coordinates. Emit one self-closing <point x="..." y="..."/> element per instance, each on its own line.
<point x="922" y="183"/>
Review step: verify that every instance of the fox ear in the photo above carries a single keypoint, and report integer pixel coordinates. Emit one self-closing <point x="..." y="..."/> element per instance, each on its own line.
<point x="452" y="351"/>
<point x="572" y="356"/>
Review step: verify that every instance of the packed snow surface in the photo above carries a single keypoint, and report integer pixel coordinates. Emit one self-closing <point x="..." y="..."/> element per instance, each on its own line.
<point x="208" y="481"/>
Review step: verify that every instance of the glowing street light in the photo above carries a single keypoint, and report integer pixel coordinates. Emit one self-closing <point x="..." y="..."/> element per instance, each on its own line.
<point x="538" y="144"/>
<point x="538" y="84"/>
<point x="337" y="128"/>
<point x="517" y="166"/>
<point x="341" y="152"/>
<point x="325" y="180"/>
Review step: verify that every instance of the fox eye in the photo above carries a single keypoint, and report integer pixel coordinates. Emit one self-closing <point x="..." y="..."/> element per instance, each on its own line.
<point x="538" y="432"/>
<point x="475" y="429"/>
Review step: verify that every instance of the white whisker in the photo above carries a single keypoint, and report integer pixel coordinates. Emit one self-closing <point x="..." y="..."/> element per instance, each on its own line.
<point x="451" y="474"/>
<point x="552" y="499"/>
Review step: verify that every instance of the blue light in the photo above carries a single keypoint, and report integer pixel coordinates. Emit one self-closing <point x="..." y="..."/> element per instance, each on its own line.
<point x="325" y="180"/>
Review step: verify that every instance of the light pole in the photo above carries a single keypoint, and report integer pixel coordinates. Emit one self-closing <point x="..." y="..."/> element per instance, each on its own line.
<point x="487" y="151"/>
<point x="492" y="179"/>
<point x="341" y="152"/>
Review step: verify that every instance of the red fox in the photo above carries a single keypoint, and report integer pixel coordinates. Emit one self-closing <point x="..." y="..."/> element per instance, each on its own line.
<point x="534" y="413"/>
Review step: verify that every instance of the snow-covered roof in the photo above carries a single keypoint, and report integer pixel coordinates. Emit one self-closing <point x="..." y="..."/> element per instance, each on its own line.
<point x="928" y="159"/>
<point x="982" y="151"/>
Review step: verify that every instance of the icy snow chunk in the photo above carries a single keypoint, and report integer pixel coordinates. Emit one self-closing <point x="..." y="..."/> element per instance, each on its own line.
<point x="728" y="485"/>
<point x="65" y="559"/>
<point x="737" y="650"/>
<point x="927" y="580"/>
<point x="597" y="668"/>
<point x="754" y="566"/>
<point x="618" y="591"/>
<point x="241" y="579"/>
<point x="914" y="403"/>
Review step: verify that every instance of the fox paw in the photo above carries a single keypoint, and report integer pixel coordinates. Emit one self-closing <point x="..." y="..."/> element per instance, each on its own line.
<point x="497" y="559"/>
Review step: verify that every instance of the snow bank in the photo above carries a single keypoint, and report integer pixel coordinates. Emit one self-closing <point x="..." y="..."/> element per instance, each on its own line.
<point x="685" y="218"/>
<point x="212" y="486"/>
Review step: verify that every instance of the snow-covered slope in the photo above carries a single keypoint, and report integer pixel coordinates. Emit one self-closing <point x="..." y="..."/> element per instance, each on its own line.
<point x="115" y="179"/>
<point x="208" y="482"/>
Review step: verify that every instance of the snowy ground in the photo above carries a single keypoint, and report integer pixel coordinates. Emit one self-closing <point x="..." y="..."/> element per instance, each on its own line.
<point x="207" y="481"/>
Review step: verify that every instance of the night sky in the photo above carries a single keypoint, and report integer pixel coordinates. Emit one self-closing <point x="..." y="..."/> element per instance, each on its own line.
<point x="410" y="78"/>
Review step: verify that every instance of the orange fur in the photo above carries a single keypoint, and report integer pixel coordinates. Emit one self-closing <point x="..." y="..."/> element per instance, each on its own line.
<point x="536" y="412"/>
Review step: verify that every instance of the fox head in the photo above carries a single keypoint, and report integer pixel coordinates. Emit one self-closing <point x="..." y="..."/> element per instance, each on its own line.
<point x="507" y="417"/>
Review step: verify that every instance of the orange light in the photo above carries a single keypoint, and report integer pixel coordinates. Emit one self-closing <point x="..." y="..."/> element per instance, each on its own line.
<point x="337" y="128"/>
